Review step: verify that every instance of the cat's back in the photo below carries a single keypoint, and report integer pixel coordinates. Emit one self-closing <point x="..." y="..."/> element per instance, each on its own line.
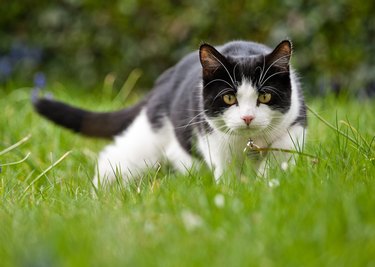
<point x="189" y="67"/>
<point x="185" y="77"/>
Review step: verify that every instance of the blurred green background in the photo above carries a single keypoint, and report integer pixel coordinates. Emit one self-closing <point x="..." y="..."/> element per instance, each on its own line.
<point x="83" y="41"/>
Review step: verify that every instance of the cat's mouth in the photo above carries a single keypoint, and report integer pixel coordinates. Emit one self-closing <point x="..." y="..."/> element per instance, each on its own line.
<point x="247" y="130"/>
<point x="235" y="129"/>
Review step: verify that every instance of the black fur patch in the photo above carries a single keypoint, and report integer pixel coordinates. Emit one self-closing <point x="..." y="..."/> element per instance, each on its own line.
<point x="302" y="117"/>
<point x="63" y="114"/>
<point x="94" y="124"/>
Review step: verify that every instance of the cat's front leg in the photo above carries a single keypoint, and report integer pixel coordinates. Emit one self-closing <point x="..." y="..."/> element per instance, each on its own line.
<point x="218" y="172"/>
<point x="292" y="140"/>
<point x="216" y="153"/>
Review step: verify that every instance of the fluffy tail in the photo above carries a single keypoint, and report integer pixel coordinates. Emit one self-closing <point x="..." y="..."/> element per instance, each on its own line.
<point x="94" y="124"/>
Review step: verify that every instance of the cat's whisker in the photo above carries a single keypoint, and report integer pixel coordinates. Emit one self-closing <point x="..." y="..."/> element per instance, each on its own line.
<point x="190" y="124"/>
<point x="269" y="77"/>
<point x="204" y="120"/>
<point x="191" y="121"/>
<point x="218" y="80"/>
<point x="221" y="63"/>
<point x="256" y="80"/>
<point x="234" y="72"/>
<point x="262" y="70"/>
<point x="223" y="128"/>
<point x="270" y="66"/>
<point x="272" y="90"/>
<point x="194" y="110"/>
<point x="271" y="131"/>
<point x="222" y="92"/>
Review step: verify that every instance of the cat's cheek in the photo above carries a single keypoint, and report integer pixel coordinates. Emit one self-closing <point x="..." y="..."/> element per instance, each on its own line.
<point x="261" y="122"/>
<point x="217" y="123"/>
<point x="232" y="118"/>
<point x="264" y="116"/>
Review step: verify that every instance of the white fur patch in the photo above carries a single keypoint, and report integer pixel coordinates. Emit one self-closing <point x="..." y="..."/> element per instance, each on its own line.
<point x="139" y="148"/>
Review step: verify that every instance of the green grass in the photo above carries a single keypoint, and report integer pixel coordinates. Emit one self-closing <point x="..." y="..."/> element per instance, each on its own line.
<point x="321" y="213"/>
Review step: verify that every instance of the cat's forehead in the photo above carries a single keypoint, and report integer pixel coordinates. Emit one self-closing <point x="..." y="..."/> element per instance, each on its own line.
<point x="248" y="61"/>
<point x="246" y="68"/>
<point x="247" y="64"/>
<point x="246" y="89"/>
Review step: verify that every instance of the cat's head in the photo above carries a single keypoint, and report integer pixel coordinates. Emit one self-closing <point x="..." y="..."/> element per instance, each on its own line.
<point x="246" y="94"/>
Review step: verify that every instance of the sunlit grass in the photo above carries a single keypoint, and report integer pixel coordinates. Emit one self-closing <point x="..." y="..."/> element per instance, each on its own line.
<point x="319" y="213"/>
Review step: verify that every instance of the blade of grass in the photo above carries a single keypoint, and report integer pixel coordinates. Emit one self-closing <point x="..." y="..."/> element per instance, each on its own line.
<point x="23" y="140"/>
<point x="16" y="162"/>
<point x="260" y="149"/>
<point x="128" y="85"/>
<point x="355" y="131"/>
<point x="334" y="128"/>
<point x="44" y="172"/>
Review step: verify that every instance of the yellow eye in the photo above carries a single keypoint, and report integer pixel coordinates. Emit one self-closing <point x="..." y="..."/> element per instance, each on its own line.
<point x="264" y="98"/>
<point x="229" y="99"/>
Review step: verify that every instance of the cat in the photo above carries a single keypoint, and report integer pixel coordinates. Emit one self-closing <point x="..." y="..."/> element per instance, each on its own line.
<point x="206" y="106"/>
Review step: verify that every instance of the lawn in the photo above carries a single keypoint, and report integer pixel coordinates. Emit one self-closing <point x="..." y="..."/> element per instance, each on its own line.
<point x="321" y="213"/>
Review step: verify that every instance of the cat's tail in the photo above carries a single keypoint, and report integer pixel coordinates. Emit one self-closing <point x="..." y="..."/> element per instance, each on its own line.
<point x="94" y="124"/>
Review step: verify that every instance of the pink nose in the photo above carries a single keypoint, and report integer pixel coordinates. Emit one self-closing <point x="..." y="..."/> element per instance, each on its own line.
<point x="247" y="119"/>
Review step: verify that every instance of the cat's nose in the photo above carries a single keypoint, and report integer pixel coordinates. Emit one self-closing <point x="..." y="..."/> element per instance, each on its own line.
<point x="247" y="119"/>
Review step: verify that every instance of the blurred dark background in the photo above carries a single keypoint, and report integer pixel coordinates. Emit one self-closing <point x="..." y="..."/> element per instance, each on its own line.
<point x="83" y="41"/>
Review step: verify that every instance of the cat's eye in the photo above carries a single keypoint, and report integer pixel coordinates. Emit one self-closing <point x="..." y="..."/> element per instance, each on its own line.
<point x="264" y="98"/>
<point x="229" y="99"/>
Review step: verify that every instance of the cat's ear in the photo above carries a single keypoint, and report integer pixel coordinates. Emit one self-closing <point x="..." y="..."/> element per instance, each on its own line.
<point x="211" y="59"/>
<point x="280" y="56"/>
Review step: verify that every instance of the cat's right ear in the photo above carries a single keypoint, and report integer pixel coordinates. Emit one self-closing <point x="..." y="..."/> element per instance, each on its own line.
<point x="211" y="59"/>
<point x="280" y="56"/>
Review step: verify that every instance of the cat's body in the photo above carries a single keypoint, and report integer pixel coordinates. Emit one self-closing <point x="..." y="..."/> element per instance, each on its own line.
<point x="209" y="104"/>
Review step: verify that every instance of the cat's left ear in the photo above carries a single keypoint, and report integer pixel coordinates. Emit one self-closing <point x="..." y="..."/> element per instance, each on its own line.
<point x="280" y="56"/>
<point x="211" y="59"/>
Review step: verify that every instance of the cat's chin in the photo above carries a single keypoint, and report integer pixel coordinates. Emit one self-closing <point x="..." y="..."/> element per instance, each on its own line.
<point x="246" y="131"/>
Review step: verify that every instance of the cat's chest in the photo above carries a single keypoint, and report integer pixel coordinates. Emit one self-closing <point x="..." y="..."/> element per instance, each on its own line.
<point x="227" y="146"/>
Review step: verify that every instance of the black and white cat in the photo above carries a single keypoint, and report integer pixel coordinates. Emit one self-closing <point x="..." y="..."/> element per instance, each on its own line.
<point x="209" y="104"/>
